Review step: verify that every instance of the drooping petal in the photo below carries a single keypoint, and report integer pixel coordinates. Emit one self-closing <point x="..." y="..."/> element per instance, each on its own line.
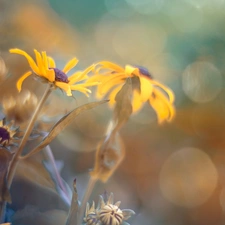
<point x="166" y="89"/>
<point x="109" y="82"/>
<point x="110" y="65"/>
<point x="40" y="63"/>
<point x="21" y="79"/>
<point x="81" y="89"/>
<point x="146" y="88"/>
<point x="75" y="77"/>
<point x="113" y="93"/>
<point x="96" y="77"/>
<point x="160" y="103"/>
<point x="81" y="75"/>
<point x="72" y="63"/>
<point x="65" y="87"/>
<point x="137" y="101"/>
<point x="51" y="62"/>
<point x="90" y="84"/>
<point x="31" y="62"/>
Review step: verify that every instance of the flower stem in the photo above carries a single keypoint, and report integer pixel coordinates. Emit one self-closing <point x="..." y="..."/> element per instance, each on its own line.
<point x="15" y="159"/>
<point x="90" y="187"/>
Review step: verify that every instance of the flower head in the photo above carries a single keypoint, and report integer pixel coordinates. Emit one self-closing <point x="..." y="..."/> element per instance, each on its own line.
<point x="18" y="108"/>
<point x="113" y="77"/>
<point x="107" y="213"/>
<point x="6" y="133"/>
<point x="91" y="217"/>
<point x="45" y="67"/>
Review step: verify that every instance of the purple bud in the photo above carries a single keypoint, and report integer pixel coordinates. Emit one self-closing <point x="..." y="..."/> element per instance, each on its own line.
<point x="144" y="71"/>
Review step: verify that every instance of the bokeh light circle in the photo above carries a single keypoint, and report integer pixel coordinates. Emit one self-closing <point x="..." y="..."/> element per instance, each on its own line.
<point x="118" y="8"/>
<point x="202" y="81"/>
<point x="146" y="6"/>
<point x="188" y="177"/>
<point x="134" y="41"/>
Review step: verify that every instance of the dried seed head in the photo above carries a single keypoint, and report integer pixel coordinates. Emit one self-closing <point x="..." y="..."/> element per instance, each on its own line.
<point x="107" y="213"/>
<point x="90" y="215"/>
<point x="19" y="108"/>
<point x="111" y="215"/>
<point x="91" y="219"/>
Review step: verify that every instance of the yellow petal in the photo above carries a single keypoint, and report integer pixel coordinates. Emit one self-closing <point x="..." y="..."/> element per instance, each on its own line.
<point x="166" y="89"/>
<point x="137" y="101"/>
<point x="51" y="62"/>
<point x="81" y="75"/>
<point x="40" y="63"/>
<point x="80" y="88"/>
<point x="90" y="84"/>
<point x="95" y="78"/>
<point x="146" y="88"/>
<point x="21" y="79"/>
<point x="50" y="75"/>
<point x="110" y="65"/>
<point x="72" y="63"/>
<point x="65" y="87"/>
<point x="109" y="82"/>
<point x="164" y="109"/>
<point x="45" y="60"/>
<point x="113" y="94"/>
<point x="130" y="70"/>
<point x="31" y="62"/>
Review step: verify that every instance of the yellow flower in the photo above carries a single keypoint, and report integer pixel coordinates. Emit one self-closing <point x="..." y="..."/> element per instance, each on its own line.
<point x="113" y="77"/>
<point x="44" y="67"/>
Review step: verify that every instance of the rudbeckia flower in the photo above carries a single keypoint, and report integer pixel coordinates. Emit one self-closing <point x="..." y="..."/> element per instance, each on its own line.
<point x="45" y="67"/>
<point x="107" y="213"/>
<point x="145" y="88"/>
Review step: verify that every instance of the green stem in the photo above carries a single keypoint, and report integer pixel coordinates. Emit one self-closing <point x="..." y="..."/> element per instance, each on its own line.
<point x="87" y="194"/>
<point x="14" y="162"/>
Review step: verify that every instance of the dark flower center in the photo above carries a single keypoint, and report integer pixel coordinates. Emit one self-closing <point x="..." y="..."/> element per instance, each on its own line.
<point x="4" y="136"/>
<point x="144" y="71"/>
<point x="60" y="75"/>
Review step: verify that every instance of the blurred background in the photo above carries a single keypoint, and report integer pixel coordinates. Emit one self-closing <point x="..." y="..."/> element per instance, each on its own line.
<point x="172" y="173"/>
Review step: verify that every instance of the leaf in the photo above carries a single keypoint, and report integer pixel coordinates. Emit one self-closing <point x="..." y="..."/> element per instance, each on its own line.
<point x="123" y="107"/>
<point x="109" y="155"/>
<point x="73" y="212"/>
<point x="32" y="215"/>
<point x="62" y="124"/>
<point x="34" y="171"/>
<point x="38" y="186"/>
